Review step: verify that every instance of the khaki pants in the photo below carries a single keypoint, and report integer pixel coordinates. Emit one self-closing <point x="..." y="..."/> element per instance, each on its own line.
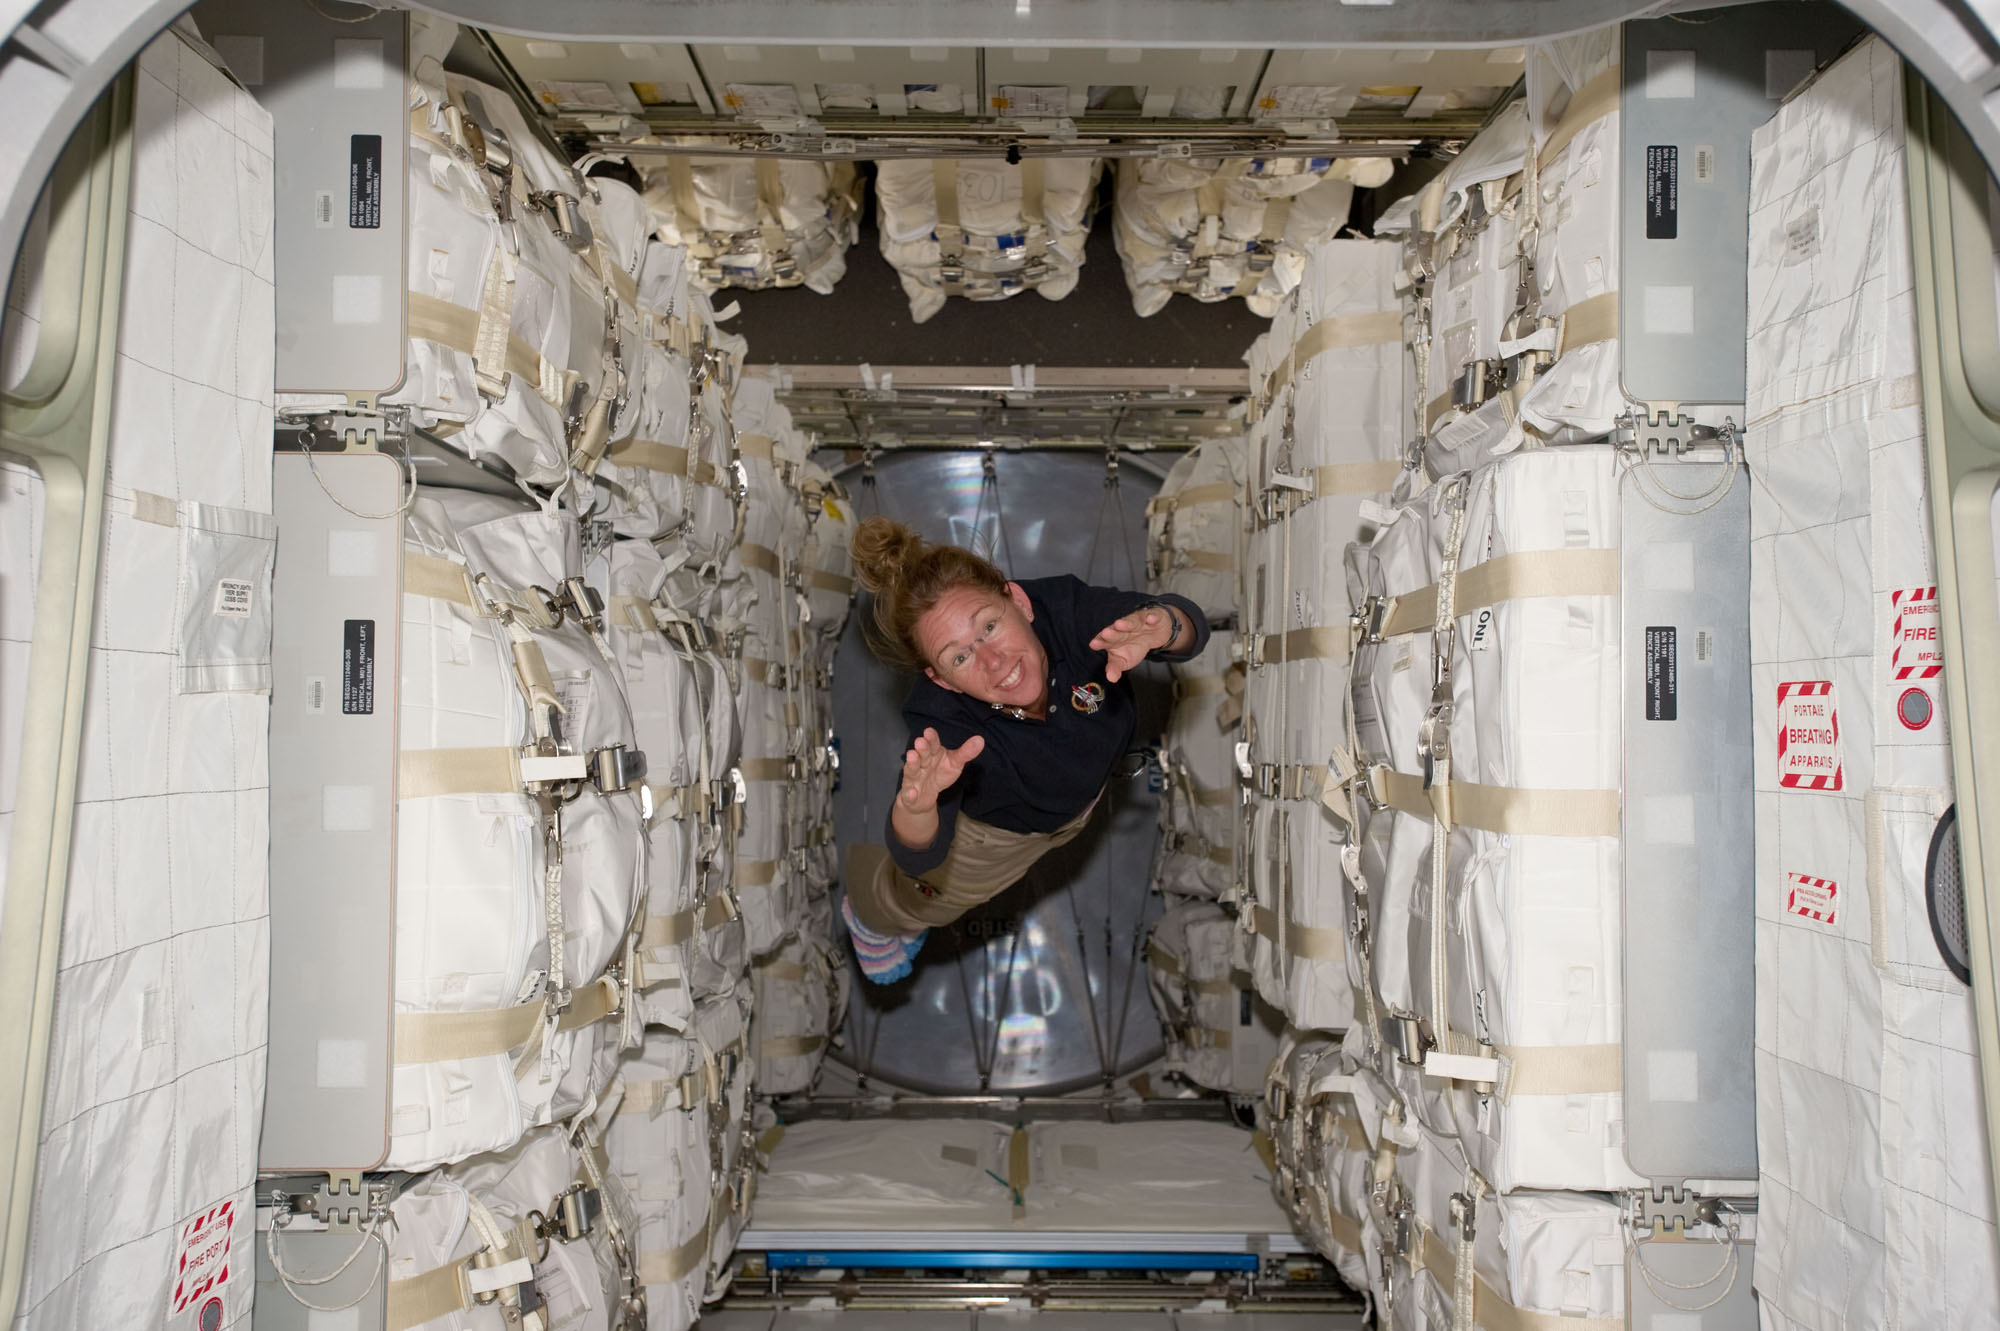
<point x="983" y="862"/>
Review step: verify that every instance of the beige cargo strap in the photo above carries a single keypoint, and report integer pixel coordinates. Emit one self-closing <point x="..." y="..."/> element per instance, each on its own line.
<point x="1167" y="962"/>
<point x="436" y="1293"/>
<point x="950" y="236"/>
<point x="1489" y="1310"/>
<point x="770" y="206"/>
<point x="790" y="1046"/>
<point x="1585" y="1069"/>
<point x="433" y="1037"/>
<point x="766" y="769"/>
<point x="1034" y="185"/>
<point x="1523" y="574"/>
<point x="1209" y="799"/>
<point x="675" y="929"/>
<point x="687" y="204"/>
<point x="761" y="557"/>
<point x="649" y="455"/>
<point x="1214" y="492"/>
<point x="427" y="773"/>
<point x="756" y="873"/>
<point x="1193" y="686"/>
<point x="1587" y="321"/>
<point x="1316" y="643"/>
<point x="637" y="614"/>
<point x="655" y="1095"/>
<point x="781" y="969"/>
<point x="1341" y="332"/>
<point x="1354" y="478"/>
<point x="1344" y="1230"/>
<point x="755" y="446"/>
<point x="494" y="354"/>
<point x="1277" y="217"/>
<point x="1504" y="810"/>
<point x="612" y="273"/>
<point x="1219" y="561"/>
<point x="667" y="1266"/>
<point x="1222" y="855"/>
<point x="1592" y="102"/>
<point x="1206" y="1037"/>
<point x="1304" y="941"/>
<point x="827" y="580"/>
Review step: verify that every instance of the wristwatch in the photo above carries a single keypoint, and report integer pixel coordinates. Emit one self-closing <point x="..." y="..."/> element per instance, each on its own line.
<point x="1174" y="617"/>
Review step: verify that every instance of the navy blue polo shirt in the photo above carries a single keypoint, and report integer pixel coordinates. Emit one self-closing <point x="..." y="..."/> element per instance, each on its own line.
<point x="1034" y="776"/>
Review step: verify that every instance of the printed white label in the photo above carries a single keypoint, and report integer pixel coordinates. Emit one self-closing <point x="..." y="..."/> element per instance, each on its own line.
<point x="1482" y="630"/>
<point x="1704" y="163"/>
<point x="324" y="215"/>
<point x="1704" y="646"/>
<point x="315" y="694"/>
<point x="233" y="597"/>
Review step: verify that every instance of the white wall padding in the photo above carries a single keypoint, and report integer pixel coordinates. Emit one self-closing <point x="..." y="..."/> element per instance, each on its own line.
<point x="156" y="1061"/>
<point x="1874" y="1183"/>
<point x="756" y="223"/>
<point x="982" y="229"/>
<point x="1239" y="226"/>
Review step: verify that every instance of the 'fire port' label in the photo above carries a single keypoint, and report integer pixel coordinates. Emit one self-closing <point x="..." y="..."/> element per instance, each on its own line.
<point x="1808" y="736"/>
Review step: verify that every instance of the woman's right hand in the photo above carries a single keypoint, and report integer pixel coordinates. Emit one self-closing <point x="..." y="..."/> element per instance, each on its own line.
<point x="930" y="768"/>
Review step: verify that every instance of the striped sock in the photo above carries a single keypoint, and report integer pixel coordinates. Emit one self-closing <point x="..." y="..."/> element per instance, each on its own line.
<point x="884" y="958"/>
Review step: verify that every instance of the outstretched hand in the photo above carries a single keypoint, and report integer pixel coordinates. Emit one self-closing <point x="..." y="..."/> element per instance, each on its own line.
<point x="1128" y="639"/>
<point x="930" y="768"/>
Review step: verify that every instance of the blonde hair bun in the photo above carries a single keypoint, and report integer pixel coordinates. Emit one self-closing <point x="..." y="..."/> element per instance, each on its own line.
<point x="883" y="548"/>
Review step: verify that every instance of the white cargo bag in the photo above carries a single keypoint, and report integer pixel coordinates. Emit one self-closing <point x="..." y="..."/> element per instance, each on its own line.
<point x="1321" y="1151"/>
<point x="1199" y="807"/>
<point x="658" y="1146"/>
<point x="1194" y="526"/>
<point x="1219" y="227"/>
<point x="490" y="304"/>
<point x="984" y="229"/>
<point x="801" y="1001"/>
<point x="1874" y="1179"/>
<point x="1196" y="992"/>
<point x="1530" y="932"/>
<point x="466" y="1246"/>
<point x="475" y="893"/>
<point x="757" y="224"/>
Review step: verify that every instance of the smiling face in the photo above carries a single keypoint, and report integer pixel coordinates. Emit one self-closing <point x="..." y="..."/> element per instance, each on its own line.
<point x="980" y="643"/>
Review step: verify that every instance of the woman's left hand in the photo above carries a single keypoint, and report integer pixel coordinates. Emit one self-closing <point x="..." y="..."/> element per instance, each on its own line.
<point x="1127" y="641"/>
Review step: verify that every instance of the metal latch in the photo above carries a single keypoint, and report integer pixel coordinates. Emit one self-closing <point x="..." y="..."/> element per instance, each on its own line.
<point x="352" y="429"/>
<point x="1668" y="1209"/>
<point x="343" y="1203"/>
<point x="1479" y="380"/>
<point x="616" y="768"/>
<point x="1406" y="1036"/>
<point x="571" y="1215"/>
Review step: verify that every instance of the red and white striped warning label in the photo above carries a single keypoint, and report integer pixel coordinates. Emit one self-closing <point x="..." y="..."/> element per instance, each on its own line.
<point x="1808" y="736"/>
<point x="202" y="1263"/>
<point x="1914" y="649"/>
<point x="1811" y="897"/>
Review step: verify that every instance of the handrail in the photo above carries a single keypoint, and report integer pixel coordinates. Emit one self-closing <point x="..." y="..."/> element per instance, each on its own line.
<point x="59" y="421"/>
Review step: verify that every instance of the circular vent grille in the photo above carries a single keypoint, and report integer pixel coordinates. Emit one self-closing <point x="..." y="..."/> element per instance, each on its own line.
<point x="1944" y="895"/>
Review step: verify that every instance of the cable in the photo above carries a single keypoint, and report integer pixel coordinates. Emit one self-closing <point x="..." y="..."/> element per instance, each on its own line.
<point x="1732" y="1262"/>
<point x="374" y="11"/>
<point x="409" y="469"/>
<point x="291" y="1282"/>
